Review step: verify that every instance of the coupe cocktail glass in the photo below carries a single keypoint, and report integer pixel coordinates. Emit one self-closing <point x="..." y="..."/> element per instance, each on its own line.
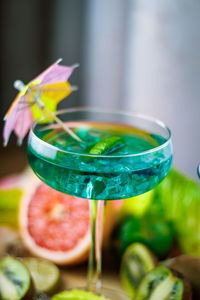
<point x="130" y="169"/>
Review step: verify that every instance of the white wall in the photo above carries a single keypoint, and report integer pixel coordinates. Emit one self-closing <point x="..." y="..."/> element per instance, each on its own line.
<point x="164" y="73"/>
<point x="104" y="52"/>
<point x="144" y="56"/>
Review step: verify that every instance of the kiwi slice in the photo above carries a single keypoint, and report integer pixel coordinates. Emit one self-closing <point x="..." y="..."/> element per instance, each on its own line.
<point x="15" y="280"/>
<point x="137" y="261"/>
<point x="160" y="284"/>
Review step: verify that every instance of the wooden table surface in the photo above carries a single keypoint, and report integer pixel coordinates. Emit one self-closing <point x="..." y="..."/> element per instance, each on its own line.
<point x="76" y="276"/>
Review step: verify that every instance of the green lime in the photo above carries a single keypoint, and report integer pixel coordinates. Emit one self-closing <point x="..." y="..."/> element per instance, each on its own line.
<point x="137" y="261"/>
<point x="10" y="199"/>
<point x="137" y="206"/>
<point x="9" y="206"/>
<point x="107" y="145"/>
<point x="9" y="218"/>
<point x="46" y="275"/>
<point x="155" y="233"/>
<point x="77" y="294"/>
<point x="160" y="284"/>
<point x="15" y="280"/>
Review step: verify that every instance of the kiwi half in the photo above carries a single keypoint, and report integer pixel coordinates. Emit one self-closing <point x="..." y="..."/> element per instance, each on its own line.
<point x="160" y="284"/>
<point x="15" y="280"/>
<point x="137" y="261"/>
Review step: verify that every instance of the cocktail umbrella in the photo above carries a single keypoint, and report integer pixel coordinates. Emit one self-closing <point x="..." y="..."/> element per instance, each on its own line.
<point x="37" y="98"/>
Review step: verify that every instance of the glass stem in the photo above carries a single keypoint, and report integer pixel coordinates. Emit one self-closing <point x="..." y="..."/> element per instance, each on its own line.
<point x="95" y="258"/>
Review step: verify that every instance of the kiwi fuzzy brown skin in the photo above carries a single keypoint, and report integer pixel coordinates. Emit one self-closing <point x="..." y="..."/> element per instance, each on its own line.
<point x="187" y="292"/>
<point x="31" y="292"/>
<point x="189" y="267"/>
<point x="41" y="296"/>
<point x="17" y="249"/>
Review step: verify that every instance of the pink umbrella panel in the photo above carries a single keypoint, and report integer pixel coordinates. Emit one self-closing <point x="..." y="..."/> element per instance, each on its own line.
<point x="49" y="88"/>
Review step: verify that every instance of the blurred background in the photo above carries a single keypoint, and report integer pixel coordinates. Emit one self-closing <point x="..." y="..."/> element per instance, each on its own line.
<point x="136" y="55"/>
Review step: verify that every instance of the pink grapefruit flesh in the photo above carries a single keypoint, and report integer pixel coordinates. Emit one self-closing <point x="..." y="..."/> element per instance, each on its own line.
<point x="55" y="226"/>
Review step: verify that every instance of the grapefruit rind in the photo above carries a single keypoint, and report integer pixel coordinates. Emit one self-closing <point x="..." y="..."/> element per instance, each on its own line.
<point x="76" y="255"/>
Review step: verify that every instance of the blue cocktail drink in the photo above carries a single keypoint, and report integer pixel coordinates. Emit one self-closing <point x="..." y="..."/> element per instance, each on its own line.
<point x="119" y="156"/>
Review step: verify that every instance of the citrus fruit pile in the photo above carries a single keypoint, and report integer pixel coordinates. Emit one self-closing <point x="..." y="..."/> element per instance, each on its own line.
<point x="51" y="225"/>
<point x="56" y="227"/>
<point x="35" y="279"/>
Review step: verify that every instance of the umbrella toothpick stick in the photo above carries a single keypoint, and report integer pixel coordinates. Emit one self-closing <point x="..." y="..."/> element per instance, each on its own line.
<point x="19" y="85"/>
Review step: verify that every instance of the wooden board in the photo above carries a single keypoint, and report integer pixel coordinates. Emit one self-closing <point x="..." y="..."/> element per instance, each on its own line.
<point x="76" y="277"/>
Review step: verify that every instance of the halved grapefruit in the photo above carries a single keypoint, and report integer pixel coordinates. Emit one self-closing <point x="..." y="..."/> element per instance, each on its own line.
<point x="53" y="225"/>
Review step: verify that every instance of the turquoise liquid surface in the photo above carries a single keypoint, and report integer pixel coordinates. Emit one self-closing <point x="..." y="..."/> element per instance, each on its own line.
<point x="127" y="169"/>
